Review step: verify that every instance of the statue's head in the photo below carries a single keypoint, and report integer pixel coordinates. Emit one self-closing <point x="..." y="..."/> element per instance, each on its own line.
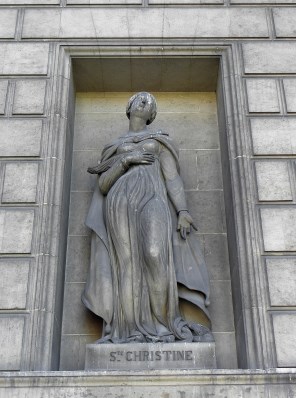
<point x="146" y="99"/>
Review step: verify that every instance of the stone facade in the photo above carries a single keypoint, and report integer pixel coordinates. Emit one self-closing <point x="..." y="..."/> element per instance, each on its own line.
<point x="53" y="53"/>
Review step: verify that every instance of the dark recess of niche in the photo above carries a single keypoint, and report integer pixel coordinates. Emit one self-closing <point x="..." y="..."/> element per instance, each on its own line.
<point x="145" y="74"/>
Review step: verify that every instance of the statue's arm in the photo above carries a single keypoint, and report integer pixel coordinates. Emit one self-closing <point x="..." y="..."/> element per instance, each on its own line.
<point x="176" y="193"/>
<point x="109" y="177"/>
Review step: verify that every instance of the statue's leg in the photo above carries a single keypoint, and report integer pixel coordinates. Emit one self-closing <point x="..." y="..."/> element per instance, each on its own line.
<point x="120" y="237"/>
<point x="154" y="232"/>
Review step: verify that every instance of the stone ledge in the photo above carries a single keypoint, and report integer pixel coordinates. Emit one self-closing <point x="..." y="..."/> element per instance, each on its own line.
<point x="146" y="384"/>
<point x="200" y="376"/>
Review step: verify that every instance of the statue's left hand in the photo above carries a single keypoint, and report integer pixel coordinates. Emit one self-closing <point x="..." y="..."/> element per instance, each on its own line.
<point x="185" y="222"/>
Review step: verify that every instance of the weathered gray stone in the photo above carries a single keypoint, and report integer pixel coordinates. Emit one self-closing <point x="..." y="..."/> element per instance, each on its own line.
<point x="207" y="23"/>
<point x="278" y="225"/>
<point x="7" y="23"/>
<point x="49" y="23"/>
<point x="191" y="131"/>
<point x="216" y="256"/>
<point x="103" y="2"/>
<point x="247" y="383"/>
<point x="207" y="209"/>
<point x="150" y="356"/>
<point x="273" y="180"/>
<point x="11" y="338"/>
<point x="20" y="182"/>
<point x="80" y="179"/>
<point x="20" y="137"/>
<point x="284" y="325"/>
<point x="274" y="136"/>
<point x="104" y="23"/>
<point x="281" y="274"/>
<point x="3" y="93"/>
<point x="29" y="2"/>
<point x="97" y="102"/>
<point x="269" y="57"/>
<point x="80" y="204"/>
<point x="261" y="2"/>
<point x="209" y="173"/>
<point x="29" y="97"/>
<point x="176" y="102"/>
<point x="262" y="95"/>
<point x="23" y="58"/>
<point x="284" y="20"/>
<point x="188" y="165"/>
<point x="16" y="228"/>
<point x="79" y="320"/>
<point x="225" y="346"/>
<point x="290" y="94"/>
<point x="13" y="284"/>
<point x="185" y="2"/>
<point x="221" y="311"/>
<point x="93" y="129"/>
<point x="195" y="102"/>
<point x="78" y="255"/>
<point x="73" y="348"/>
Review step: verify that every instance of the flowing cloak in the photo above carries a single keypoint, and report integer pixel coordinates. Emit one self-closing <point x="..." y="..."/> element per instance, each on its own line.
<point x="191" y="272"/>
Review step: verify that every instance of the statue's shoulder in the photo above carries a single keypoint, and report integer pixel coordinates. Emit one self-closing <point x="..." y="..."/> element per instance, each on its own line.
<point x="167" y="142"/>
<point x="161" y="132"/>
<point x="162" y="135"/>
<point x="165" y="137"/>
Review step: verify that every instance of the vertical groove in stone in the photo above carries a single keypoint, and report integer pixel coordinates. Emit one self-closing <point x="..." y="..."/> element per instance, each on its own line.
<point x="19" y="24"/>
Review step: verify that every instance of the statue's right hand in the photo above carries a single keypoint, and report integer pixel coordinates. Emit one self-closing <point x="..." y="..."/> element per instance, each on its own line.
<point x="139" y="157"/>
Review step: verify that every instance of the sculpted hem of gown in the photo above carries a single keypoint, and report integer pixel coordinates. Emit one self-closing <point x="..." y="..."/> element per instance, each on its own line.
<point x="135" y="281"/>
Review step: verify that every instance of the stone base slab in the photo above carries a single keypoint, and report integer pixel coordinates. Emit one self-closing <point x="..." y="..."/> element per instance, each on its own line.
<point x="150" y="356"/>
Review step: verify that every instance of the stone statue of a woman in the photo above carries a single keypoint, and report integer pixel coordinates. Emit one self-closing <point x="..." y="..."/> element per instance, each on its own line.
<point x="143" y="257"/>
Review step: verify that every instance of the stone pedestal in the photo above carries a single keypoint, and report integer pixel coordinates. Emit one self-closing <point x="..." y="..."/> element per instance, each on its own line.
<point x="150" y="356"/>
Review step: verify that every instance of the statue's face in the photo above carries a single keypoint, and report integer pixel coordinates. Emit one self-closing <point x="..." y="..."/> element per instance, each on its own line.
<point x="142" y="106"/>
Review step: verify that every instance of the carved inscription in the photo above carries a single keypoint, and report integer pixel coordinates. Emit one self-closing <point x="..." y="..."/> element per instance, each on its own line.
<point x="142" y="356"/>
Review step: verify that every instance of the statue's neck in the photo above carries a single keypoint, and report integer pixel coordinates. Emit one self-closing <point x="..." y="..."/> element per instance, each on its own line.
<point x="137" y="125"/>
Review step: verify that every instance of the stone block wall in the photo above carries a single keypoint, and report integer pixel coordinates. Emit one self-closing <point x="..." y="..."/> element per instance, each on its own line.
<point x="33" y="157"/>
<point x="272" y="127"/>
<point x="22" y="135"/>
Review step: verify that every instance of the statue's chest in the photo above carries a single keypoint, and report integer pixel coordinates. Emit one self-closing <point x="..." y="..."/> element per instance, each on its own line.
<point x="148" y="145"/>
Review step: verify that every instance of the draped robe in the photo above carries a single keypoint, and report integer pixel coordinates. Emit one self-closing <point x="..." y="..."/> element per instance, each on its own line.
<point x="185" y="275"/>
